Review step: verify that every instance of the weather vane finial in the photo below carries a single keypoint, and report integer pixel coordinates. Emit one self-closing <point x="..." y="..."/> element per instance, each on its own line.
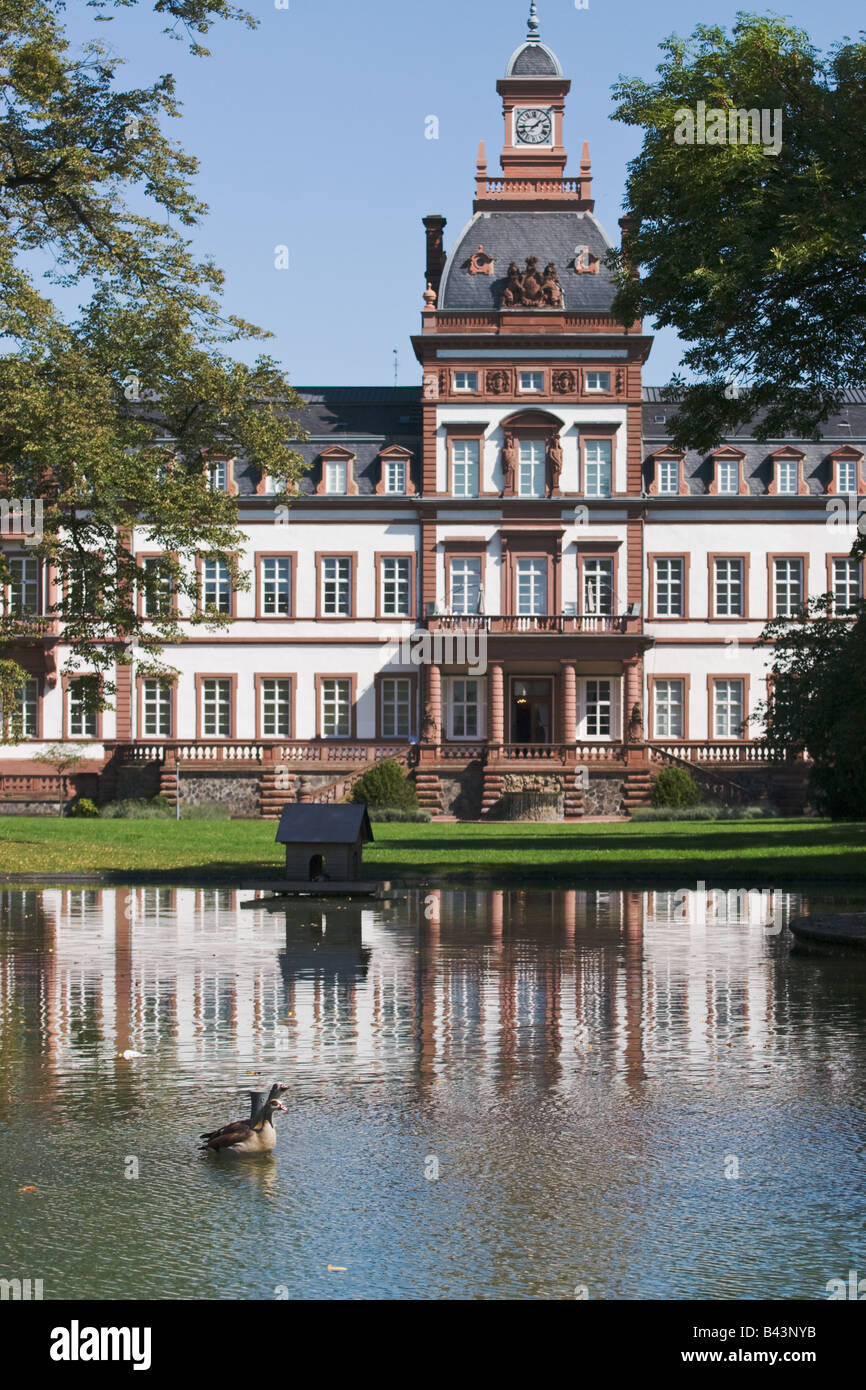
<point x="533" y="22"/>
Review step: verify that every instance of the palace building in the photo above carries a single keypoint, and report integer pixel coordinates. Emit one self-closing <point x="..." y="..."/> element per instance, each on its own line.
<point x="590" y="599"/>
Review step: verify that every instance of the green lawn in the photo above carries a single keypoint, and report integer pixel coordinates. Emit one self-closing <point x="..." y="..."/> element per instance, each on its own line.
<point x="746" y="852"/>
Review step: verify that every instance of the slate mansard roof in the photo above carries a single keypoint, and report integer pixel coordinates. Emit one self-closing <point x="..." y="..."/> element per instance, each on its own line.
<point x="512" y="236"/>
<point x="362" y="419"/>
<point x="849" y="427"/>
<point x="366" y="419"/>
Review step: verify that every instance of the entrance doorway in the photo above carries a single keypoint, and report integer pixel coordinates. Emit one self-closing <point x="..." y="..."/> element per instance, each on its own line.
<point x="531" y="709"/>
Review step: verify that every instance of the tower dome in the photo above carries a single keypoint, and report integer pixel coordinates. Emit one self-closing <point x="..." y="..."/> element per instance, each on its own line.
<point x="533" y="58"/>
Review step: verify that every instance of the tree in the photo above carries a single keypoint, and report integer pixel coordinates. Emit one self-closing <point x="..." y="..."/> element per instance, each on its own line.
<point x="64" y="758"/>
<point x="817" y="703"/>
<point x="758" y="260"/>
<point x="109" y="418"/>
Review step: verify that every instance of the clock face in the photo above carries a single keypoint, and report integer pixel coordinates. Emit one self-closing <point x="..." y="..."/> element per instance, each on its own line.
<point x="533" y="126"/>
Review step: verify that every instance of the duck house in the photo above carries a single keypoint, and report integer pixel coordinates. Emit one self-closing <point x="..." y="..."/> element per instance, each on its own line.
<point x="324" y="842"/>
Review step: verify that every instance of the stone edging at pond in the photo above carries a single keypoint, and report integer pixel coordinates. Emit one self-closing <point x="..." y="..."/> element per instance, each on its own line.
<point x="843" y="931"/>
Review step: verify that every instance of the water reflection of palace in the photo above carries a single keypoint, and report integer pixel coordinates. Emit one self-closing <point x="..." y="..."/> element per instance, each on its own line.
<point x="511" y="982"/>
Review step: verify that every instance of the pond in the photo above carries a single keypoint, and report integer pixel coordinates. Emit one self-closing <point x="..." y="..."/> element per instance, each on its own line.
<point x="552" y="1095"/>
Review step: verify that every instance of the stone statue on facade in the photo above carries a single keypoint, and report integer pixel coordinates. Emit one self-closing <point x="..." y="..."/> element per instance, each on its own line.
<point x="635" y="725"/>
<point x="554" y="464"/>
<point x="510" y="459"/>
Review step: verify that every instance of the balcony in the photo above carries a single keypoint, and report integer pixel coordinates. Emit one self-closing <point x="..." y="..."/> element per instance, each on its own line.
<point x="545" y="624"/>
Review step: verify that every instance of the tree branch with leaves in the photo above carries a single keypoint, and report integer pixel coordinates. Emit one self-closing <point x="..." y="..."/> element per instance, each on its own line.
<point x="110" y="416"/>
<point x="757" y="260"/>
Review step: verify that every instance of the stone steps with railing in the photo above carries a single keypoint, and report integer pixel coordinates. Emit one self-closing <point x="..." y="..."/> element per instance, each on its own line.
<point x="282" y="786"/>
<point x="708" y="777"/>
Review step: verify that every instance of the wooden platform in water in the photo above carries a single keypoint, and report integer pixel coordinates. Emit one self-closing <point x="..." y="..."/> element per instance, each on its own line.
<point x="284" y="888"/>
<point x="830" y="932"/>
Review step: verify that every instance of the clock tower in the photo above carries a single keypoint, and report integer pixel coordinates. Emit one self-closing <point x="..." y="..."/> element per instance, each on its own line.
<point x="533" y="95"/>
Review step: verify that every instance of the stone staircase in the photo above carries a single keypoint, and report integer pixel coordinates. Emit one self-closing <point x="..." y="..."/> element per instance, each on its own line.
<point x="573" y="799"/>
<point x="494" y="783"/>
<point x="711" y="781"/>
<point x="637" y="789"/>
<point x="278" y="785"/>
<point x="429" y="790"/>
<point x="167" y="784"/>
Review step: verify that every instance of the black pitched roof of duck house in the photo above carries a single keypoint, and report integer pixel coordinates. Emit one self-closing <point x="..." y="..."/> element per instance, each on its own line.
<point x="324" y="825"/>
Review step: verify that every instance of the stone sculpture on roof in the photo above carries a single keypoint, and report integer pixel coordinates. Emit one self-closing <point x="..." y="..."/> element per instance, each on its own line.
<point x="532" y="288"/>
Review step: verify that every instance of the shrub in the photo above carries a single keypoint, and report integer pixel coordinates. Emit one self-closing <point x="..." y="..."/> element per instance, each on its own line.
<point x="136" y="808"/>
<point x="660" y="813"/>
<point x="397" y="813"/>
<point x="675" y="787"/>
<point x="703" y="812"/>
<point x="386" y="786"/>
<point x="84" y="808"/>
<point x="209" y="810"/>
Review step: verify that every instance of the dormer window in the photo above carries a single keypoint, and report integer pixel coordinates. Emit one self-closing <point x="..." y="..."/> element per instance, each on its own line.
<point x="218" y="475"/>
<point x="788" y="480"/>
<point x="532" y="381"/>
<point x="786" y="476"/>
<point x="338" y="472"/>
<point x="335" y="475"/>
<point x="395" y="479"/>
<point x="466" y="381"/>
<point x="727" y="477"/>
<point x="395" y="475"/>
<point x="668" y="474"/>
<point x="845" y="470"/>
<point x="599" y="382"/>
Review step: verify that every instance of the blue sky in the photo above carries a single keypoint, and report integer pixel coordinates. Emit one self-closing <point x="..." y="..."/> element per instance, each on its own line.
<point x="310" y="133"/>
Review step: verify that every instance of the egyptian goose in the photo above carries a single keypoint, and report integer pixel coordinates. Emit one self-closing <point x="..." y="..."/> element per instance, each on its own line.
<point x="253" y="1136"/>
<point x="258" y="1099"/>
